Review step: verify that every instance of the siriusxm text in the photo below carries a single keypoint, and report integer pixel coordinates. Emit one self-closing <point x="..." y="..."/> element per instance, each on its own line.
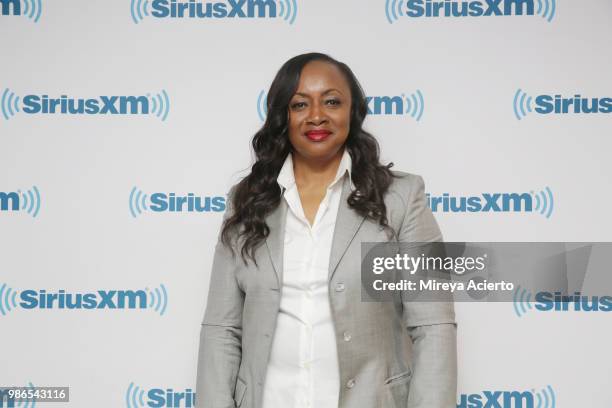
<point x="199" y="9"/>
<point x="497" y="399"/>
<point x="477" y="8"/>
<point x="385" y="105"/>
<point x="493" y="202"/>
<point x="161" y="202"/>
<point x="548" y="301"/>
<point x="9" y="200"/>
<point x="10" y="7"/>
<point x="557" y="104"/>
<point x="168" y="398"/>
<point x="101" y="299"/>
<point x="104" y="105"/>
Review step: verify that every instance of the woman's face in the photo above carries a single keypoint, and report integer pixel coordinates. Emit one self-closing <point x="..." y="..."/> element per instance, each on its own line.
<point x="320" y="112"/>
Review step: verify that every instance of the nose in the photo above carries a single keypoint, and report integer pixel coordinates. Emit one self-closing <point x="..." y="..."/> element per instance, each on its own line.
<point x="316" y="115"/>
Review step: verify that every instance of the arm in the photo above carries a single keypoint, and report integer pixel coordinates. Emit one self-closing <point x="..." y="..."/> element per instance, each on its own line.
<point x="431" y="325"/>
<point x="220" y="350"/>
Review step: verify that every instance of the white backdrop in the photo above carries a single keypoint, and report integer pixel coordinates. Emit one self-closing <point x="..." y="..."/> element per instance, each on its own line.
<point x="79" y="180"/>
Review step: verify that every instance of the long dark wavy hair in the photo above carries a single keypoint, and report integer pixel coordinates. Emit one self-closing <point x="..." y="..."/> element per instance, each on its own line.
<point x="258" y="194"/>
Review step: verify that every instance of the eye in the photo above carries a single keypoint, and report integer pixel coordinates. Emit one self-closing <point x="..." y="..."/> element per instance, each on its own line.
<point x="333" y="101"/>
<point x="298" y="105"/>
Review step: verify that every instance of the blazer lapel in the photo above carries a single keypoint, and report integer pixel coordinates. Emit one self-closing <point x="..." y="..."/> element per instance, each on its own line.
<point x="348" y="222"/>
<point x="276" y="239"/>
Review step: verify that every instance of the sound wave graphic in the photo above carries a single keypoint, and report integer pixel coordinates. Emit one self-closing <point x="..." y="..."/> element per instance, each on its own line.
<point x="9" y="104"/>
<point x="546" y="398"/>
<point x="27" y="403"/>
<point x="134" y="396"/>
<point x="160" y="104"/>
<point x="415" y="105"/>
<point x="521" y="301"/>
<point x="547" y="9"/>
<point x="30" y="201"/>
<point x="32" y="9"/>
<point x="137" y="202"/>
<point x="288" y="10"/>
<point x="262" y="105"/>
<point x="139" y="9"/>
<point x="522" y="104"/>
<point x="7" y="299"/>
<point x="544" y="201"/>
<point x="393" y="10"/>
<point x="158" y="299"/>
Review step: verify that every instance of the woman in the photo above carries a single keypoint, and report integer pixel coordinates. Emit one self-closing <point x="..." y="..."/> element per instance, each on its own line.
<point x="284" y="324"/>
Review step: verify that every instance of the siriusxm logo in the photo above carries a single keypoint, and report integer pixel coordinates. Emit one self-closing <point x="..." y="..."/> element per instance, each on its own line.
<point x="495" y="202"/>
<point x="523" y="104"/>
<point x="396" y="9"/>
<point x="558" y="302"/>
<point x="11" y="401"/>
<point x="412" y="105"/>
<point x="137" y="397"/>
<point x="154" y="299"/>
<point x="510" y="399"/>
<point x="282" y="9"/>
<point x="31" y="9"/>
<point x="155" y="105"/>
<point x="27" y="201"/>
<point x="171" y="202"/>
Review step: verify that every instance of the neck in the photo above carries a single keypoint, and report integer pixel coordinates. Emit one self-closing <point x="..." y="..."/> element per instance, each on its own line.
<point x="316" y="173"/>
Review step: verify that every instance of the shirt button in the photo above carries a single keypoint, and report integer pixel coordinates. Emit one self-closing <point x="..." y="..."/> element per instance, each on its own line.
<point x="350" y="383"/>
<point x="347" y="336"/>
<point x="339" y="287"/>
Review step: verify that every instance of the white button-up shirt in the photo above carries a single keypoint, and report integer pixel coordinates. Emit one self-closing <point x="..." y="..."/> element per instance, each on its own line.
<point x="303" y="368"/>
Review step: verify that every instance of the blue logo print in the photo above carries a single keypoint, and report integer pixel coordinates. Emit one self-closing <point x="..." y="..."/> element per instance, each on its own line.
<point x="157" y="105"/>
<point x="281" y="9"/>
<point x="510" y="399"/>
<point x="30" y="8"/>
<point x="558" y="302"/>
<point x="262" y="105"/>
<point x="137" y="397"/>
<point x="412" y="105"/>
<point x="523" y="104"/>
<point x="140" y="202"/>
<point x="396" y="9"/>
<point x="154" y="299"/>
<point x="495" y="202"/>
<point x="27" y="201"/>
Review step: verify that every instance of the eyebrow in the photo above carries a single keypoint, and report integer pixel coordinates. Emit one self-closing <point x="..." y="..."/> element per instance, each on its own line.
<point x="324" y="93"/>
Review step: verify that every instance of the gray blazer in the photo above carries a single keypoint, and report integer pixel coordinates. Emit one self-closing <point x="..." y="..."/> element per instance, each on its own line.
<point x="399" y="354"/>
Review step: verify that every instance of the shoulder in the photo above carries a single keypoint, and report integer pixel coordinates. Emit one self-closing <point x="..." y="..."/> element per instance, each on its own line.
<point x="405" y="186"/>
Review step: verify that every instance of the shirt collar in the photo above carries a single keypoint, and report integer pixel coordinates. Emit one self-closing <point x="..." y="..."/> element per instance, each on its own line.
<point x="286" y="177"/>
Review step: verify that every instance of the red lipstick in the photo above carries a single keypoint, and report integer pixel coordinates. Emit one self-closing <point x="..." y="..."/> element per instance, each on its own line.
<point x="317" y="135"/>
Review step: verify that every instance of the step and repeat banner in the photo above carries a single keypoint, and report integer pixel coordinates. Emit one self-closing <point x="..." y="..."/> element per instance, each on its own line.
<point x="123" y="123"/>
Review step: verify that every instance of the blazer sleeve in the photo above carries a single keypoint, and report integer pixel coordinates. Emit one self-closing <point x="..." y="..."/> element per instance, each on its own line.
<point x="220" y="348"/>
<point x="431" y="325"/>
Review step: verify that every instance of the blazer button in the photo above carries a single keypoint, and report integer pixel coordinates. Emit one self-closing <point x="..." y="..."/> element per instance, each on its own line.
<point x="350" y="383"/>
<point x="347" y="336"/>
<point x="339" y="287"/>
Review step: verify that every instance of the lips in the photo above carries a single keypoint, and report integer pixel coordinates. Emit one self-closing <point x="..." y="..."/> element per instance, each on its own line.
<point x="317" y="135"/>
